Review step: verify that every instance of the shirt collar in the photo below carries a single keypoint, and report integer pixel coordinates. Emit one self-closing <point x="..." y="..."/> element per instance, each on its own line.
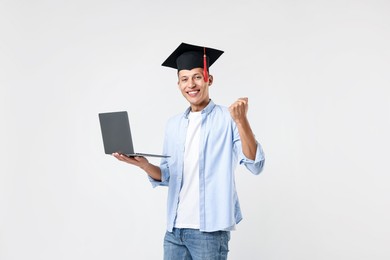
<point x="210" y="106"/>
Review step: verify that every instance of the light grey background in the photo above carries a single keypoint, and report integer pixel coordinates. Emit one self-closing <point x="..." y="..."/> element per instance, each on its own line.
<point x="317" y="77"/>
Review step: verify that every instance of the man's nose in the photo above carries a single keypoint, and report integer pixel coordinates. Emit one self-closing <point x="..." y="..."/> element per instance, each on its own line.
<point x="191" y="83"/>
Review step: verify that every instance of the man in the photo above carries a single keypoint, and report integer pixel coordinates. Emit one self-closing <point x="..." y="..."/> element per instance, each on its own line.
<point x="204" y="144"/>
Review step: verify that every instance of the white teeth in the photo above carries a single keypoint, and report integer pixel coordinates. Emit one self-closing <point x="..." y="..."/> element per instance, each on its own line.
<point x="192" y="92"/>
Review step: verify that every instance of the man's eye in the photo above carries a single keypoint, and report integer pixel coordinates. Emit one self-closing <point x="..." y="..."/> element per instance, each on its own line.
<point x="198" y="77"/>
<point x="184" y="80"/>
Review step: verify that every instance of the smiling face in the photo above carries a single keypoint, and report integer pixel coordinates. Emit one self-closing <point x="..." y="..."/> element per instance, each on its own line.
<point x="194" y="88"/>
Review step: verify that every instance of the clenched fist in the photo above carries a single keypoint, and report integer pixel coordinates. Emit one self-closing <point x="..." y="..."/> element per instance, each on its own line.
<point x="239" y="109"/>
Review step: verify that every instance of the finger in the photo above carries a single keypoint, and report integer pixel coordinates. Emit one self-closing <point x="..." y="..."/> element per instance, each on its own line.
<point x="129" y="159"/>
<point x="116" y="155"/>
<point x="122" y="158"/>
<point x="238" y="105"/>
<point x="243" y="100"/>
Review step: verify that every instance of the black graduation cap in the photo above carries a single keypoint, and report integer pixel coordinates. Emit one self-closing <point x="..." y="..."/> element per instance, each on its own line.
<point x="188" y="57"/>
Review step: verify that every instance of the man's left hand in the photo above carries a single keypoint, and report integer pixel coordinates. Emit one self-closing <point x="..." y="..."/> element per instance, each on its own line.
<point x="239" y="109"/>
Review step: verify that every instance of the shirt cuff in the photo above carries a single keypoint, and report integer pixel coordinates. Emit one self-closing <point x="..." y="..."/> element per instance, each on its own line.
<point x="255" y="166"/>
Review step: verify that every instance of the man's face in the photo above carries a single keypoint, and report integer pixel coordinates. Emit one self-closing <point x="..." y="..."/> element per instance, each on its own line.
<point x="194" y="88"/>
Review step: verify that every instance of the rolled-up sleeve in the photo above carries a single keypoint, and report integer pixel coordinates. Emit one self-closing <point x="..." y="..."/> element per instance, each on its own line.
<point x="164" y="177"/>
<point x="164" y="164"/>
<point x="254" y="166"/>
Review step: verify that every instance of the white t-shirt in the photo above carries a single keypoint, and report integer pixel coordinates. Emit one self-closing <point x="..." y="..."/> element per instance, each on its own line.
<point x="188" y="208"/>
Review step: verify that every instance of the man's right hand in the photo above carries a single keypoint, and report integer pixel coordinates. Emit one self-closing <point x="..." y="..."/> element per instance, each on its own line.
<point x="139" y="161"/>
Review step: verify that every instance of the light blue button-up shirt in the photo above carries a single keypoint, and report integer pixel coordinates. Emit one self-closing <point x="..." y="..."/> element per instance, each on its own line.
<point x="220" y="151"/>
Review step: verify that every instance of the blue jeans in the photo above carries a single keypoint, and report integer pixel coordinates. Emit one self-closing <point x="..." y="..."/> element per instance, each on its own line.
<point x="192" y="244"/>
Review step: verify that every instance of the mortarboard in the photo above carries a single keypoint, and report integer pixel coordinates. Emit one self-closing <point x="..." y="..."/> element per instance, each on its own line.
<point x="188" y="56"/>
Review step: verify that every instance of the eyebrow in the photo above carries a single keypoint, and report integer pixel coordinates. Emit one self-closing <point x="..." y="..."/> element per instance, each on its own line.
<point x="193" y="75"/>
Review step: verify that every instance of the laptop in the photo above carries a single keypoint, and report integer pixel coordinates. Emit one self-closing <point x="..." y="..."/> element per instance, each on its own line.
<point x="116" y="135"/>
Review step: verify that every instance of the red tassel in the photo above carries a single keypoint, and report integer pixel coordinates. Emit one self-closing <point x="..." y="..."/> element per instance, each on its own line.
<point x="205" y="73"/>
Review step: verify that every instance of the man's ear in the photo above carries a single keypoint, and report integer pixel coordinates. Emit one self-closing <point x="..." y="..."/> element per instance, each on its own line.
<point x="211" y="79"/>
